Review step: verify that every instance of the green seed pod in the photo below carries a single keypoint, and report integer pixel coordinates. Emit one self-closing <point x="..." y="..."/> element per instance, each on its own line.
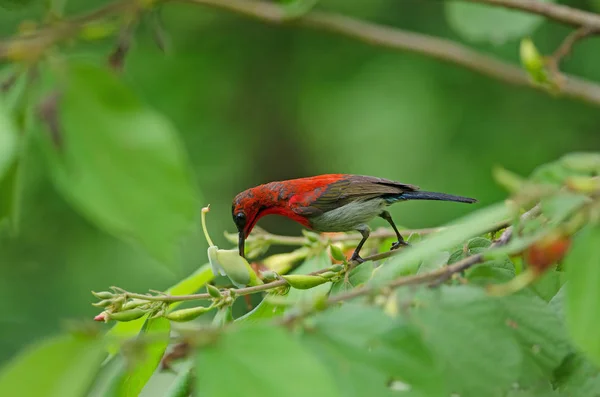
<point x="127" y="315"/>
<point x="336" y="268"/>
<point x="102" y="303"/>
<point x="133" y="304"/>
<point x="268" y="276"/>
<point x="337" y="253"/>
<point x="329" y="274"/>
<point x="301" y="281"/>
<point x="213" y="291"/>
<point x="311" y="236"/>
<point x="103" y="295"/>
<point x="186" y="314"/>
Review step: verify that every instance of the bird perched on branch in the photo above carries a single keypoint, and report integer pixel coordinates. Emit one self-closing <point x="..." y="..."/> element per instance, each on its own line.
<point x="329" y="203"/>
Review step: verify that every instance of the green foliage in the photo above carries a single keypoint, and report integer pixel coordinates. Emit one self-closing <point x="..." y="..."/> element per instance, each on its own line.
<point x="63" y="366"/>
<point x="480" y="22"/>
<point x="147" y="197"/>
<point x="254" y="357"/>
<point x="428" y="342"/>
<point x="411" y="325"/>
<point x="133" y="380"/>
<point x="583" y="291"/>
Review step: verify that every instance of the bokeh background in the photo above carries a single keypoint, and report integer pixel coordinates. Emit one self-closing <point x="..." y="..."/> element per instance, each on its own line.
<point x="255" y="103"/>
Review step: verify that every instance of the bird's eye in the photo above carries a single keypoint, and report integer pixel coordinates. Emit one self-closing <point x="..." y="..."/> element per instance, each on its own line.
<point x="240" y="218"/>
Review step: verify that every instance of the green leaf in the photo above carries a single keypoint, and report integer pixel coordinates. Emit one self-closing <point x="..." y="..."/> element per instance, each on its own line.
<point x="434" y="262"/>
<point x="133" y="381"/>
<point x="403" y="355"/>
<point x="355" y="324"/>
<point x="352" y="369"/>
<point x="491" y="271"/>
<point x="189" y="285"/>
<point x="121" y="164"/>
<point x="364" y="348"/>
<point x="8" y="140"/>
<point x="260" y="358"/>
<point x="578" y="377"/>
<point x="547" y="285"/>
<point x="583" y="291"/>
<point x="559" y="206"/>
<point x="456" y="233"/>
<point x="539" y="331"/>
<point x="10" y="195"/>
<point x="466" y="332"/>
<point x="182" y="384"/>
<point x="265" y="309"/>
<point x="478" y="22"/>
<point x="358" y="276"/>
<point x="62" y="366"/>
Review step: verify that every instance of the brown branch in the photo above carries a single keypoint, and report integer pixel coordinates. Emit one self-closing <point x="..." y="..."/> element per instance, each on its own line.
<point x="566" y="47"/>
<point x="397" y="39"/>
<point x="35" y="43"/>
<point x="558" y="12"/>
<point x="246" y="290"/>
<point x="435" y="277"/>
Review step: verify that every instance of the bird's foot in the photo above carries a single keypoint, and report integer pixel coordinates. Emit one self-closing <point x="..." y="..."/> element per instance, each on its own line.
<point x="398" y="244"/>
<point x="357" y="259"/>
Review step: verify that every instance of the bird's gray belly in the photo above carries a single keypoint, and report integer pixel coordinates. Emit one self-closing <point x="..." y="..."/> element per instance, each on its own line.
<point x="348" y="217"/>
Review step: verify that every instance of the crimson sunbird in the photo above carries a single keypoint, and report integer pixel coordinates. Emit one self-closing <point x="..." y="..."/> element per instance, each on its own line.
<point x="329" y="203"/>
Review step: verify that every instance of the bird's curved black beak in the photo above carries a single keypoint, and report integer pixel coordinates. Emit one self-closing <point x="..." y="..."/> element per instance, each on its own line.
<point x="241" y="242"/>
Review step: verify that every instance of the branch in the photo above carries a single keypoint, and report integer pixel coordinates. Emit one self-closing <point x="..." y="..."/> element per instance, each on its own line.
<point x="566" y="46"/>
<point x="31" y="45"/>
<point x="243" y="291"/>
<point x="560" y="13"/>
<point x="397" y="39"/>
<point x="435" y="277"/>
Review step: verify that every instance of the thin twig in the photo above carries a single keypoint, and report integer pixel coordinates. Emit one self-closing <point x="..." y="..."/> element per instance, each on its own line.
<point x="397" y="39"/>
<point x="566" y="47"/>
<point x="466" y="263"/>
<point x="435" y="277"/>
<point x="380" y="36"/>
<point x="246" y="290"/>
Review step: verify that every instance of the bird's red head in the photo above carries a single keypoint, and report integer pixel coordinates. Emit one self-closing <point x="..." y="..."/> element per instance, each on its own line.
<point x="252" y="204"/>
<point x="246" y="210"/>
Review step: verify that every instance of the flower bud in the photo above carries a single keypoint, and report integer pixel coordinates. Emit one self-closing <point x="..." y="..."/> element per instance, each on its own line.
<point x="311" y="236"/>
<point x="213" y="291"/>
<point x="329" y="274"/>
<point x="186" y="314"/>
<point x="533" y="61"/>
<point x="127" y="315"/>
<point x="336" y="268"/>
<point x="301" y="281"/>
<point x="337" y="253"/>
<point x="103" y="295"/>
<point x="102" y="303"/>
<point x="268" y="276"/>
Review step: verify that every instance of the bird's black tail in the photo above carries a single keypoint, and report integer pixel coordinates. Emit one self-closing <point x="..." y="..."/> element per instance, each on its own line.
<point x="420" y="195"/>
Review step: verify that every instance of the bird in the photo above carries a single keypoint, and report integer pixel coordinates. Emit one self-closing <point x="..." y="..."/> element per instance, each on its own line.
<point x="329" y="203"/>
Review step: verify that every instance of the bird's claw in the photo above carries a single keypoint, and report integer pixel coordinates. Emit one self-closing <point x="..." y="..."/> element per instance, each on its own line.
<point x="398" y="244"/>
<point x="357" y="259"/>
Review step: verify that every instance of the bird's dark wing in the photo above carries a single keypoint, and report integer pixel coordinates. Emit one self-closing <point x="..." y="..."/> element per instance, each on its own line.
<point x="344" y="191"/>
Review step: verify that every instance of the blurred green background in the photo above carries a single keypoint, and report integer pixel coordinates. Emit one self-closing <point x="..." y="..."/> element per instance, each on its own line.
<point x="255" y="103"/>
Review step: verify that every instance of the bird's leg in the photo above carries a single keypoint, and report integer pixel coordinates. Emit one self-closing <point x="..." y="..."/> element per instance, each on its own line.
<point x="386" y="215"/>
<point x="365" y="232"/>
